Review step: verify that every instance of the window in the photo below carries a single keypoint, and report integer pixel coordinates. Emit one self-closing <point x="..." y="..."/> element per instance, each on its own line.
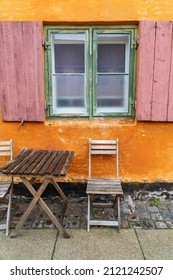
<point x="90" y="72"/>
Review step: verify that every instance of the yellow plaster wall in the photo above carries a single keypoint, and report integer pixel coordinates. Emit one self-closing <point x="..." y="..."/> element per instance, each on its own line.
<point x="145" y="148"/>
<point x="86" y="10"/>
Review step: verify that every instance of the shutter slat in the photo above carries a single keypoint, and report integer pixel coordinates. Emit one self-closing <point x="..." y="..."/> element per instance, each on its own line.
<point x="170" y="99"/>
<point x="161" y="71"/>
<point x="145" y="69"/>
<point x="29" y="69"/>
<point x="8" y="90"/>
<point x="19" y="68"/>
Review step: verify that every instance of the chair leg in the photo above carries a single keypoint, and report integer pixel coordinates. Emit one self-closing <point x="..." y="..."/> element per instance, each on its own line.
<point x="9" y="210"/>
<point x="119" y="216"/>
<point x="88" y="217"/>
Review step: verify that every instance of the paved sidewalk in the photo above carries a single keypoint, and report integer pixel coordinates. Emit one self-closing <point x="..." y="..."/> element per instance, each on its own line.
<point x="147" y="222"/>
<point x="98" y="244"/>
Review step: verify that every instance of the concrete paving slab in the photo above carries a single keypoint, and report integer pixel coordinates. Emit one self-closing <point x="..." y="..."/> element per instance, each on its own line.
<point x="31" y="244"/>
<point x="156" y="244"/>
<point x="98" y="244"/>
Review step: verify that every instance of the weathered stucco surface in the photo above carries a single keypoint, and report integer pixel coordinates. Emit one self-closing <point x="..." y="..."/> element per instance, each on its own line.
<point x="86" y="10"/>
<point x="145" y="148"/>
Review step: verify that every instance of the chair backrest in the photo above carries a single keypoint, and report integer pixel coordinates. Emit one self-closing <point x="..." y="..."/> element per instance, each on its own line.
<point x="6" y="148"/>
<point x="103" y="147"/>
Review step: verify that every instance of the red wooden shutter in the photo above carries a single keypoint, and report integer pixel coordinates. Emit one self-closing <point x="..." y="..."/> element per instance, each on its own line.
<point x="21" y="71"/>
<point x="154" y="87"/>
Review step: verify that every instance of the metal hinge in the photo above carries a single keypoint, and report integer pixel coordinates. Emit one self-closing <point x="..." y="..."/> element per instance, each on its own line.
<point x="135" y="103"/>
<point x="45" y="44"/>
<point x="135" y="44"/>
<point x="45" y="105"/>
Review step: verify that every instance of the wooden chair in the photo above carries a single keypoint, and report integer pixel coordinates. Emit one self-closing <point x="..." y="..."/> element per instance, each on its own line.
<point x="6" y="187"/>
<point x="103" y="186"/>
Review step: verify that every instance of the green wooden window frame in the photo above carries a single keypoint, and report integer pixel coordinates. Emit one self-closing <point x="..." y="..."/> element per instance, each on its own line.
<point x="92" y="34"/>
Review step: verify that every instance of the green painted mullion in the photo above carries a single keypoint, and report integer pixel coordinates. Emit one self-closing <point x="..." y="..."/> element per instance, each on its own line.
<point x="94" y="68"/>
<point x="47" y="73"/>
<point x="132" y="79"/>
<point x="88" y="73"/>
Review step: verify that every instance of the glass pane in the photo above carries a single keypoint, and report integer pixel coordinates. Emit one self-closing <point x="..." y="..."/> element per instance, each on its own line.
<point x="69" y="38"/>
<point x="112" y="93"/>
<point x="69" y="77"/>
<point x="69" y="58"/>
<point x="69" y="94"/>
<point x="111" y="58"/>
<point x="113" y="53"/>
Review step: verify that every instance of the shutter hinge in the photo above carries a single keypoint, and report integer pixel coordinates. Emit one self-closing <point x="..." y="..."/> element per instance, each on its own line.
<point x="45" y="44"/>
<point x="45" y="105"/>
<point x="135" y="103"/>
<point x="135" y="43"/>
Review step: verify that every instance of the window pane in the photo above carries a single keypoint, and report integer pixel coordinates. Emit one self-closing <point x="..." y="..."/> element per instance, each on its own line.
<point x="69" y="94"/>
<point x="112" y="93"/>
<point x="69" y="77"/>
<point x="112" y="73"/>
<point x="111" y="58"/>
<point x="69" y="58"/>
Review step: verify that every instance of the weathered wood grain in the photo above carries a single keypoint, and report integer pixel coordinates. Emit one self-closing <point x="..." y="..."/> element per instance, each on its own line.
<point x="21" y="70"/>
<point x="39" y="163"/>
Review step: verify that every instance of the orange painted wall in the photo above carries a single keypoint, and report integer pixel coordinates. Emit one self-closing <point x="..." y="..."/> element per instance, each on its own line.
<point x="145" y="148"/>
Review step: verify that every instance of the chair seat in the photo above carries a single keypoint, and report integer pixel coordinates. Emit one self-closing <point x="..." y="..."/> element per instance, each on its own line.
<point x="104" y="186"/>
<point x="4" y="187"/>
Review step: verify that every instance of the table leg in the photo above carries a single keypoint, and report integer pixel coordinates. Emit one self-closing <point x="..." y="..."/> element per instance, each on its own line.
<point x="44" y="206"/>
<point x="62" y="194"/>
<point x="64" y="207"/>
<point x="32" y="204"/>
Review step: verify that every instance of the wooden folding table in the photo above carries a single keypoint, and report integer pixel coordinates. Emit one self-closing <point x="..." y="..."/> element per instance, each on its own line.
<point x="48" y="165"/>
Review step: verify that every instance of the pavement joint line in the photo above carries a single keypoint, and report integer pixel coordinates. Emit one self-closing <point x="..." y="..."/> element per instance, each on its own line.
<point x="56" y="239"/>
<point x="140" y="244"/>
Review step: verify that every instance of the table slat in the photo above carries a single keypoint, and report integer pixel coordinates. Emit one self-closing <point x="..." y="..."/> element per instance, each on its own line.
<point x="43" y="170"/>
<point x="7" y="168"/>
<point x="66" y="164"/>
<point x="35" y="163"/>
<point x="39" y="166"/>
<point x="54" y="162"/>
<point x="60" y="164"/>
<point x="20" y="167"/>
<point x="24" y="166"/>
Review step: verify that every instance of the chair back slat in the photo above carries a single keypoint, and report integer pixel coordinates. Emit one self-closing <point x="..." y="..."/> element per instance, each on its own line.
<point x="103" y="147"/>
<point x="6" y="148"/>
<point x="103" y="152"/>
